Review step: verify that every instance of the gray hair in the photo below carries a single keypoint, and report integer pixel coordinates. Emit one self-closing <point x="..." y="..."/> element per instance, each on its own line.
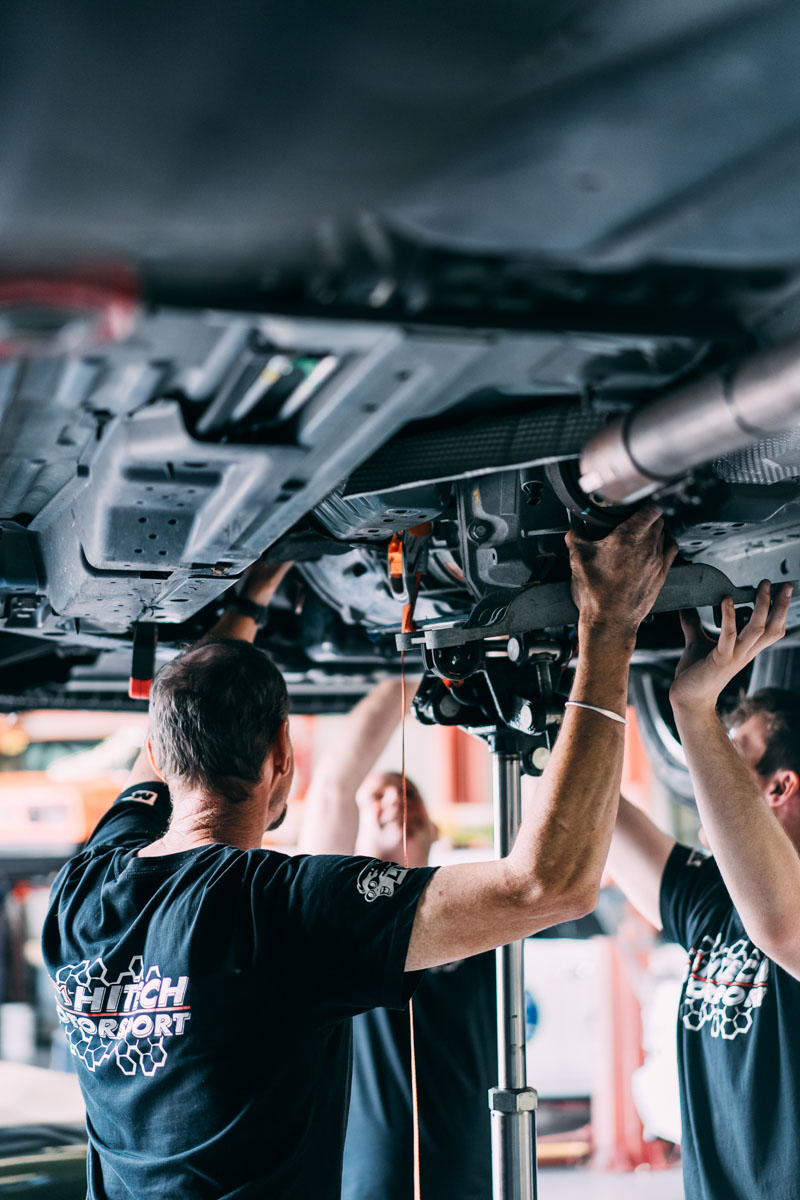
<point x="214" y="714"/>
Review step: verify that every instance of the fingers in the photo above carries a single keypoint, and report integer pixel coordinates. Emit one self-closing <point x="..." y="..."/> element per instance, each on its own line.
<point x="690" y="624"/>
<point x="753" y="636"/>
<point x="639" y="523"/>
<point x="761" y="606"/>
<point x="635" y="527"/>
<point x="727" y="641"/>
<point x="767" y="623"/>
<point x="646" y="527"/>
<point x="776" y="624"/>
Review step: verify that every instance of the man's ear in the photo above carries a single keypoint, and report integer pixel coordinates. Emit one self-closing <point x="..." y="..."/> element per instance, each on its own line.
<point x="148" y="745"/>
<point x="783" y="786"/>
<point x="282" y="753"/>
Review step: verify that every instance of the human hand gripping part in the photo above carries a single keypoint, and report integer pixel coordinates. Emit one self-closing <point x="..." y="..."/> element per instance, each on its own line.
<point x="553" y="871"/>
<point x="706" y="667"/>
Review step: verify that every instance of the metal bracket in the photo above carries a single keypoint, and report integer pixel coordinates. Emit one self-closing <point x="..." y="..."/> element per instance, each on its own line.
<point x="513" y="1100"/>
<point x="546" y="605"/>
<point x="408" y="559"/>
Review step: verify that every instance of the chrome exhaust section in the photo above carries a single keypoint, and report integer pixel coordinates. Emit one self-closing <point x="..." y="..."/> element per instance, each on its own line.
<point x="634" y="456"/>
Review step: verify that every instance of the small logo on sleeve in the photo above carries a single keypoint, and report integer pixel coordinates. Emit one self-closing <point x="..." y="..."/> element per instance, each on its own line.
<point x="696" y="859"/>
<point x="380" y="879"/>
<point x="143" y="796"/>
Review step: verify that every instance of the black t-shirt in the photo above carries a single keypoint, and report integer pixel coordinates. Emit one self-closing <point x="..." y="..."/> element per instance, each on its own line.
<point x="206" y="996"/>
<point x="455" y="1023"/>
<point x="738" y="1045"/>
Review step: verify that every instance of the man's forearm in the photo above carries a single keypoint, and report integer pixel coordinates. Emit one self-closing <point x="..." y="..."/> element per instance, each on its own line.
<point x="563" y="842"/>
<point x="638" y="856"/>
<point x="231" y="624"/>
<point x="553" y="871"/>
<point x="261" y="584"/>
<point x="759" y="864"/>
<point x="364" y="735"/>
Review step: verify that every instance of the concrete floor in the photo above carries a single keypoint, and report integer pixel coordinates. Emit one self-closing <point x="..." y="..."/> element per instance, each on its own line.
<point x="581" y="1183"/>
<point x="35" y="1096"/>
<point x="31" y="1095"/>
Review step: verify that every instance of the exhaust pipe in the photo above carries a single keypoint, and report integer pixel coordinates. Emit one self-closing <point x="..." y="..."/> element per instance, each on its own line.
<point x="634" y="456"/>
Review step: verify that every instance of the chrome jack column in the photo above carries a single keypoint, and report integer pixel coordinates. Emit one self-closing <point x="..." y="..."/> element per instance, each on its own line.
<point x="512" y="1102"/>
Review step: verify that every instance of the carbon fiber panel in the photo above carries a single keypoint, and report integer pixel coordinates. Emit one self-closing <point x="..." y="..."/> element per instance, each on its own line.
<point x="476" y="448"/>
<point x="765" y="462"/>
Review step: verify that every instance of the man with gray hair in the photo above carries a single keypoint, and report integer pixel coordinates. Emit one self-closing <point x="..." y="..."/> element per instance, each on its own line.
<point x="207" y="986"/>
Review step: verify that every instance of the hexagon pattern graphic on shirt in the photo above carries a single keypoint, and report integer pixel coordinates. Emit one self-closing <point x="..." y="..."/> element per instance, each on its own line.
<point x="725" y="987"/>
<point x="128" y="1018"/>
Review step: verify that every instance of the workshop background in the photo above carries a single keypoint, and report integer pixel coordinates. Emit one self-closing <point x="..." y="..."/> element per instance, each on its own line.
<point x="601" y="993"/>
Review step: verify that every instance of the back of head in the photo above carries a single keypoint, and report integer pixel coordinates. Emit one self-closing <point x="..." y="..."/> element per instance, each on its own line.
<point x="214" y="715"/>
<point x="780" y="709"/>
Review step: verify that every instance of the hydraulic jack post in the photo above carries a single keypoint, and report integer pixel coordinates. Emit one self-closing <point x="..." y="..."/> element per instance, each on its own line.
<point x="509" y="700"/>
<point x="512" y="1102"/>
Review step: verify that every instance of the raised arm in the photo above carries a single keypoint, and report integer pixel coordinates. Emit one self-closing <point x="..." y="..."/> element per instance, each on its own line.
<point x="758" y="861"/>
<point x="330" y="818"/>
<point x="553" y="871"/>
<point x="639" y="853"/>
<point x="263" y="580"/>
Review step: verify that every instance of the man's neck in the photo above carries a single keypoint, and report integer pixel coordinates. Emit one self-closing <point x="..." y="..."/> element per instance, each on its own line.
<point x="791" y="825"/>
<point x="201" y="820"/>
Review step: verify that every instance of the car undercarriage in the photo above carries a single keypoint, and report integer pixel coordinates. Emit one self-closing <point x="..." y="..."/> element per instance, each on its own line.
<point x="411" y="299"/>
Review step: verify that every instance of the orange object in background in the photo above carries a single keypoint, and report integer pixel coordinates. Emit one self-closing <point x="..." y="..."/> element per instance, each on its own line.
<point x="619" y="1141"/>
<point x="59" y="772"/>
<point x="637" y="773"/>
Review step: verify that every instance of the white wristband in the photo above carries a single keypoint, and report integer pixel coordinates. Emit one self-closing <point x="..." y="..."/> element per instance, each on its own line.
<point x="604" y="712"/>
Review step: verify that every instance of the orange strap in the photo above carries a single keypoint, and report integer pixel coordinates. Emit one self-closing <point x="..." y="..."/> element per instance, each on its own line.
<point x="414" y="1093"/>
<point x="397" y="570"/>
<point x="396" y="556"/>
<point x="407" y="619"/>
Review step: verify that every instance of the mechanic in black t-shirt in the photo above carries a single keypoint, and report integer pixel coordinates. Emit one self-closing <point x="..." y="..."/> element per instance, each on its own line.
<point x="737" y="914"/>
<point x="207" y="986"/>
<point x="351" y="809"/>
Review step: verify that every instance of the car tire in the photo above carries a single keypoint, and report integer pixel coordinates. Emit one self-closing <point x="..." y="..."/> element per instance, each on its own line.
<point x="776" y="668"/>
<point x="649" y="695"/>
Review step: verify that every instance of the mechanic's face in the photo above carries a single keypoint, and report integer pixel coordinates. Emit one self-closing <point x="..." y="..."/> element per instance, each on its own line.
<point x="750" y="740"/>
<point x="380" y="802"/>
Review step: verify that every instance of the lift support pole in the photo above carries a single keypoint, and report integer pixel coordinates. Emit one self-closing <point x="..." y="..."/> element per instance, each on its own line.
<point x="512" y="1102"/>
